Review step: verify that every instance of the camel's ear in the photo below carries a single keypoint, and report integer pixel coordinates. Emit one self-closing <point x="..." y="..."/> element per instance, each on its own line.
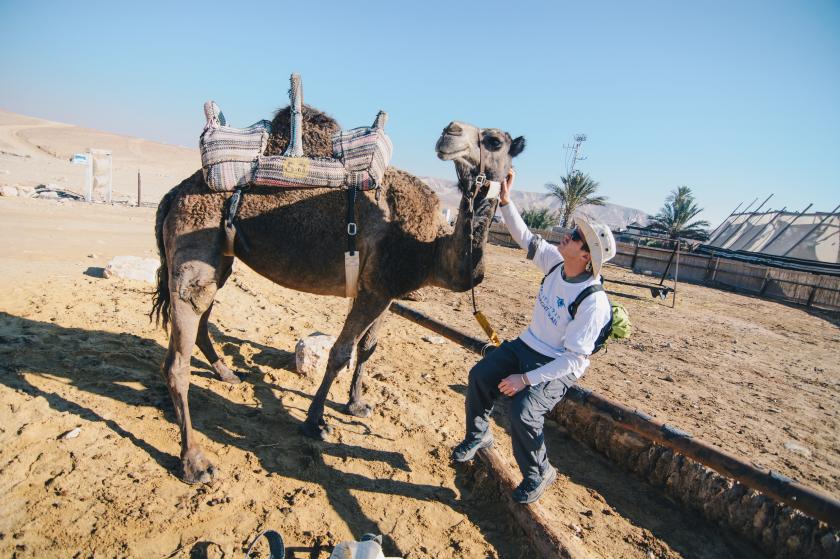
<point x="517" y="146"/>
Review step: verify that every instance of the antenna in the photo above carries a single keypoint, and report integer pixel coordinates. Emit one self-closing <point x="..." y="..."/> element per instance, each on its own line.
<point x="573" y="153"/>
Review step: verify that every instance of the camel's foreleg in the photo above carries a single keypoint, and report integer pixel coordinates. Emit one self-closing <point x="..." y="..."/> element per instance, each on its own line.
<point x="366" y="347"/>
<point x="367" y="308"/>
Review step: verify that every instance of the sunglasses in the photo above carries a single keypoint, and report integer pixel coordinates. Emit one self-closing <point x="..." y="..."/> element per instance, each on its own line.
<point x="578" y="236"/>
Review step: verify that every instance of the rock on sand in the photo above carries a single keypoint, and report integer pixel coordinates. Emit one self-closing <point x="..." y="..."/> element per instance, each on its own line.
<point x="133" y="268"/>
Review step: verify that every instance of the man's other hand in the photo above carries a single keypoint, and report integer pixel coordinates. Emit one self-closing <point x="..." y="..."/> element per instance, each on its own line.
<point x="512" y="385"/>
<point x="506" y="186"/>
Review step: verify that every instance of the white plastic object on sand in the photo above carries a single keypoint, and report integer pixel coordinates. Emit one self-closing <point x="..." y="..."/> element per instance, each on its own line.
<point x="369" y="549"/>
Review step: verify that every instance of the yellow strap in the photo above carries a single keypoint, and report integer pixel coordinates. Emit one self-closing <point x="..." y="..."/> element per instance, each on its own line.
<point x="485" y="325"/>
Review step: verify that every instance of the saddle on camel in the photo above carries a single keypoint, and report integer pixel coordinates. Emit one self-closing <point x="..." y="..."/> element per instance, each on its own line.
<point x="232" y="159"/>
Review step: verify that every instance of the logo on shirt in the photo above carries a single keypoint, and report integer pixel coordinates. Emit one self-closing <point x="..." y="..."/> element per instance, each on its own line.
<point x="560" y="303"/>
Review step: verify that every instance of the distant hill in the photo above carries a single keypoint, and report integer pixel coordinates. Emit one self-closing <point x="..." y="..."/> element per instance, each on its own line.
<point x="617" y="217"/>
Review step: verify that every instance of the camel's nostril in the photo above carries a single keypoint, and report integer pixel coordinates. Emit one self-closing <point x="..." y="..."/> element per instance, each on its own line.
<point x="453" y="129"/>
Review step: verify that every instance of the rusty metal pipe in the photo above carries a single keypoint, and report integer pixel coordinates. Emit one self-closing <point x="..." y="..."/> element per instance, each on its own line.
<point x="460" y="338"/>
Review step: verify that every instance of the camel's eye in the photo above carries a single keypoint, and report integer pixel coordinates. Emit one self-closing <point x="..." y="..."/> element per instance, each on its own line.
<point x="492" y="142"/>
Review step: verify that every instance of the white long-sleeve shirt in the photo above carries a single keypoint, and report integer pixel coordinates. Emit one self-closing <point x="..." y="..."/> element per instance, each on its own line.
<point x="552" y="331"/>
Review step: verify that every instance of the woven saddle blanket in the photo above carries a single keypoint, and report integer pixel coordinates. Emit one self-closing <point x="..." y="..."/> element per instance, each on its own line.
<point x="233" y="158"/>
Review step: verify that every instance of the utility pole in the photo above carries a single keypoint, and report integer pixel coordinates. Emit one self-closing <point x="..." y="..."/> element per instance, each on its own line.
<point x="574" y="153"/>
<point x="572" y="157"/>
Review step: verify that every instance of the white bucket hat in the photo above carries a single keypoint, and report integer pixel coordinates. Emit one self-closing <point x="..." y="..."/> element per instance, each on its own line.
<point x="599" y="239"/>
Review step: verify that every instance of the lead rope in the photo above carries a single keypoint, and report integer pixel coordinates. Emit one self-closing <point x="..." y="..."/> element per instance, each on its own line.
<point x="478" y="183"/>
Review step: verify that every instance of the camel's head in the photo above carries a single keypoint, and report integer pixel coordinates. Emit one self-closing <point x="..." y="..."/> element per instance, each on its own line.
<point x="476" y="150"/>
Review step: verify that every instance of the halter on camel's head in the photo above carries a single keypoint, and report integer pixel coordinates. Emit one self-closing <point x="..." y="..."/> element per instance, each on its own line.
<point x="482" y="157"/>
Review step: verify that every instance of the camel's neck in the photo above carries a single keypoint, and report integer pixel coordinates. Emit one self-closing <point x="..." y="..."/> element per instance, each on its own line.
<point x="452" y="265"/>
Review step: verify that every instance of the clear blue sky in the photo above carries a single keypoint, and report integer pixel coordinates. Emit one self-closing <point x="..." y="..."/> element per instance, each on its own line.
<point x="734" y="99"/>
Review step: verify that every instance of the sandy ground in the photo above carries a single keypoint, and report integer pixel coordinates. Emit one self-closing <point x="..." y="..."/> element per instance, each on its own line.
<point x="756" y="378"/>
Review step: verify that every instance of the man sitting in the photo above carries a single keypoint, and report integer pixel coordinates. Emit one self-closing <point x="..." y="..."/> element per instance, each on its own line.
<point x="537" y="369"/>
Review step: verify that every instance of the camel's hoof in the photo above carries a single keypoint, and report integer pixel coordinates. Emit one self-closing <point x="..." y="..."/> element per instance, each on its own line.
<point x="231" y="379"/>
<point x="197" y="469"/>
<point x="358" y="409"/>
<point x="317" y="432"/>
<point x="225" y="373"/>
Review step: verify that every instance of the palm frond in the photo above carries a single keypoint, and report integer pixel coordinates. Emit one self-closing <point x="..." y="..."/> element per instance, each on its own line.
<point x="675" y="216"/>
<point x="578" y="189"/>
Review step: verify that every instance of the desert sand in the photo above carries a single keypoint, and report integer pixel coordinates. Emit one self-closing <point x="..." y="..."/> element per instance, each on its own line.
<point x="756" y="378"/>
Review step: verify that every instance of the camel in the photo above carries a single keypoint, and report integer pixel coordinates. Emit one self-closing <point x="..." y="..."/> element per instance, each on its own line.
<point x="296" y="238"/>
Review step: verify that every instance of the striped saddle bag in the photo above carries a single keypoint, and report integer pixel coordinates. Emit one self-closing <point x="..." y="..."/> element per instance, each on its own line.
<point x="229" y="155"/>
<point x="233" y="158"/>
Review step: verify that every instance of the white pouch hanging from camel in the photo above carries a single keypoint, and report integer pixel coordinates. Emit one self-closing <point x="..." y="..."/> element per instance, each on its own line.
<point x="351" y="273"/>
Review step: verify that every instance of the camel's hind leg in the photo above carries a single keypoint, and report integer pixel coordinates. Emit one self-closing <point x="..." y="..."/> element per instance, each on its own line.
<point x="366" y="309"/>
<point x="367" y="345"/>
<point x="194" y="286"/>
<point x="205" y="344"/>
<point x="176" y="369"/>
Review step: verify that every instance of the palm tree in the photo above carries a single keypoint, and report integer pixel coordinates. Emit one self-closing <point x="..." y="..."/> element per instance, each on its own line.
<point x="540" y="218"/>
<point x="675" y="215"/>
<point x="578" y="190"/>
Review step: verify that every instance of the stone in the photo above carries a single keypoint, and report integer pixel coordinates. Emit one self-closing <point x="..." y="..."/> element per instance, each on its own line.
<point x="434" y="340"/>
<point x="72" y="434"/>
<point x="8" y="191"/>
<point x="132" y="268"/>
<point x="383" y="375"/>
<point x="798" y="449"/>
<point x="312" y="353"/>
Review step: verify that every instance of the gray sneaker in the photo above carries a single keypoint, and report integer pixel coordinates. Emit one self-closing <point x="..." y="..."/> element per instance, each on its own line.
<point x="465" y="451"/>
<point x="530" y="490"/>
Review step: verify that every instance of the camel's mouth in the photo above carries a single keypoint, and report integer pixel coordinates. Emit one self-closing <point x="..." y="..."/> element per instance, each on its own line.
<point x="449" y="148"/>
<point x="450" y="155"/>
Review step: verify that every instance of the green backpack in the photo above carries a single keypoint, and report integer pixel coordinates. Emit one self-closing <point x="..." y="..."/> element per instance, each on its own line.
<point x="617" y="328"/>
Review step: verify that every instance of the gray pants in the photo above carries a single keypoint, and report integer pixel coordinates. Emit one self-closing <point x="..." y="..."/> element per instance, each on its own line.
<point x="528" y="407"/>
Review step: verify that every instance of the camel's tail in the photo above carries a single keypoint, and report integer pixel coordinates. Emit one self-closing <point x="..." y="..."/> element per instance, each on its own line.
<point x="160" y="296"/>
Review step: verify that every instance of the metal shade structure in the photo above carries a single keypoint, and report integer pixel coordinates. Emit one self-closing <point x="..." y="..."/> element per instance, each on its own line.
<point x="796" y="240"/>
